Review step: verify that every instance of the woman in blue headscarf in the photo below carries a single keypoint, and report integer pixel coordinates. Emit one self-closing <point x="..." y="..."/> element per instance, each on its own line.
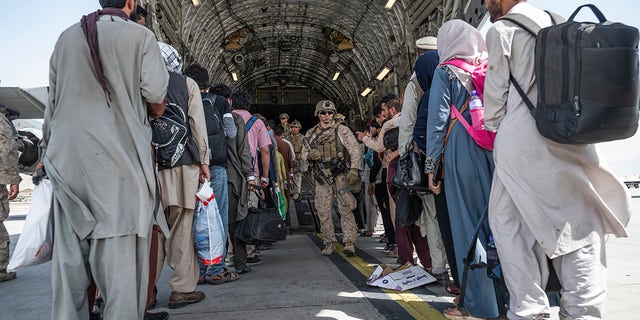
<point x="468" y="168"/>
<point x="424" y="69"/>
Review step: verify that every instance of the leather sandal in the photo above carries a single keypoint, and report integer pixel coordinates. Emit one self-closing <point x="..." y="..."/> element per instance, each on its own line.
<point x="457" y="314"/>
<point x="225" y="276"/>
<point x="452" y="288"/>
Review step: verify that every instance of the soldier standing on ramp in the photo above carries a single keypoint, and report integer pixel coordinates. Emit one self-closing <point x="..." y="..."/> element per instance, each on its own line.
<point x="336" y="165"/>
<point x="299" y="165"/>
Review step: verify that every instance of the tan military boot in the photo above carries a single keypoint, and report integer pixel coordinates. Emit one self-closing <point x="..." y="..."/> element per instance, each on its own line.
<point x="6" y="276"/>
<point x="349" y="249"/>
<point x="329" y="249"/>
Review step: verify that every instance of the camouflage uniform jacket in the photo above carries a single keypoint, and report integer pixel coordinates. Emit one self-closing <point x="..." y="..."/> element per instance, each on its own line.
<point x="8" y="153"/>
<point x="347" y="140"/>
<point x="296" y="142"/>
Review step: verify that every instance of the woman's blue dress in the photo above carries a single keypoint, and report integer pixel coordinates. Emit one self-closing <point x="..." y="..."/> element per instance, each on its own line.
<point x="468" y="170"/>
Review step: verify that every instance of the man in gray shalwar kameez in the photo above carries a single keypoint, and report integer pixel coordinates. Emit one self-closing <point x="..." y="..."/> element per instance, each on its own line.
<point x="547" y="199"/>
<point x="96" y="149"/>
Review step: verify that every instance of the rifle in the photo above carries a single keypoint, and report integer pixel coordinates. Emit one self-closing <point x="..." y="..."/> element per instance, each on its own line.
<point x="324" y="175"/>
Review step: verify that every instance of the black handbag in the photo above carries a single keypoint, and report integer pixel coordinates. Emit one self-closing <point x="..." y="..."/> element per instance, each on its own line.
<point x="408" y="208"/>
<point x="261" y="225"/>
<point x="410" y="173"/>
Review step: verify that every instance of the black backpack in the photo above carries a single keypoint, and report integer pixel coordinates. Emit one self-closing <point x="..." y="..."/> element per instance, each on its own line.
<point x="215" y="129"/>
<point x="587" y="77"/>
<point x="171" y="134"/>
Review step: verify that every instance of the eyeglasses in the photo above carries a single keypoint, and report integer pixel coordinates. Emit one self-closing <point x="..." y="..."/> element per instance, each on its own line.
<point x="324" y="113"/>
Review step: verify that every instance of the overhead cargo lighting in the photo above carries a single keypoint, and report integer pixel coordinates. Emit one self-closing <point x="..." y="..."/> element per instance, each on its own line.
<point x="234" y="76"/>
<point x="389" y="4"/>
<point x="366" y="91"/>
<point x="335" y="76"/>
<point x="232" y="46"/>
<point x="345" y="45"/>
<point x="383" y="73"/>
<point x="197" y="3"/>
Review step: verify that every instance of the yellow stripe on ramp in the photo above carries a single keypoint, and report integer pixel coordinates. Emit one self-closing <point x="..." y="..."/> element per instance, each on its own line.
<point x="410" y="302"/>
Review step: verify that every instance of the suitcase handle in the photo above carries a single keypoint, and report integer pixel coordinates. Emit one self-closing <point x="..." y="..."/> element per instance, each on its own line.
<point x="593" y="8"/>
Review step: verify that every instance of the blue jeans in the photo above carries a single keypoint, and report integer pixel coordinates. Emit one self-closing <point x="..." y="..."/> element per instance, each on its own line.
<point x="219" y="186"/>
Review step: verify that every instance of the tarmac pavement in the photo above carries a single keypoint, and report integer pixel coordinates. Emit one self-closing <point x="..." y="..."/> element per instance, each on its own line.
<point x="295" y="282"/>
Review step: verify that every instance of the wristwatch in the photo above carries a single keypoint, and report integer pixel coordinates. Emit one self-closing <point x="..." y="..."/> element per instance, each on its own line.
<point x="263" y="179"/>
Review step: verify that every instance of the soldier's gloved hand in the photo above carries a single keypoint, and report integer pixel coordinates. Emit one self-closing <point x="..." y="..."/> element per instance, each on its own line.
<point x="353" y="177"/>
<point x="314" y="155"/>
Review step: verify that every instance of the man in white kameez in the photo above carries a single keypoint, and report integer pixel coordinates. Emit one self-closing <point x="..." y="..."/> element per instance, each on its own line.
<point x="406" y="122"/>
<point x="547" y="199"/>
<point x="96" y="151"/>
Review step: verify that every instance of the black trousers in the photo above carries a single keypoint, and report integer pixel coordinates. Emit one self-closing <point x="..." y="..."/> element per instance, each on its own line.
<point x="444" y="224"/>
<point x="382" y="196"/>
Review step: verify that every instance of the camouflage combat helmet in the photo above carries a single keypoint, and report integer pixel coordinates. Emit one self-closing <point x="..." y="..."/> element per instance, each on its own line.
<point x="283" y="116"/>
<point x="325" y="105"/>
<point x="295" y="124"/>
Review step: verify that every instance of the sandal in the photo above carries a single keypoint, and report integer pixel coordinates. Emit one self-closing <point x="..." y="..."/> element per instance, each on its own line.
<point x="243" y="271"/>
<point x="367" y="233"/>
<point x="225" y="276"/>
<point x="452" y="289"/>
<point x="456" y="314"/>
<point x="392" y="254"/>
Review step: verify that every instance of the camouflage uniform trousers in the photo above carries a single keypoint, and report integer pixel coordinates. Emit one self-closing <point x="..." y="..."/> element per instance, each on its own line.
<point x="297" y="182"/>
<point x="324" y="206"/>
<point x="4" y="235"/>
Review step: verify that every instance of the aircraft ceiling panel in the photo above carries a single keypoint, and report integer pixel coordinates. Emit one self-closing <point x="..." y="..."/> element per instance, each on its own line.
<point x="296" y="42"/>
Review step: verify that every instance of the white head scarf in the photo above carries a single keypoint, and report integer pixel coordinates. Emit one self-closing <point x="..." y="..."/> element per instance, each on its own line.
<point x="171" y="57"/>
<point x="458" y="39"/>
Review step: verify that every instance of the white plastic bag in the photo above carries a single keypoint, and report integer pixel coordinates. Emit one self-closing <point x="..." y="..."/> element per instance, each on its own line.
<point x="208" y="233"/>
<point x="35" y="244"/>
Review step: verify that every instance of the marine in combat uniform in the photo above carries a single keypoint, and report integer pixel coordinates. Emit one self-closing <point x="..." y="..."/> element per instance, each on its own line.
<point x="334" y="151"/>
<point x="9" y="176"/>
<point x="284" y="122"/>
<point x="299" y="165"/>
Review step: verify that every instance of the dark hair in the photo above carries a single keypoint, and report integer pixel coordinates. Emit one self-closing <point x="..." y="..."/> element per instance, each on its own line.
<point x="377" y="110"/>
<point x="221" y="90"/>
<point x="387" y="98"/>
<point x="391" y="138"/>
<point x="241" y="99"/>
<point x="278" y="130"/>
<point x="119" y="4"/>
<point x="140" y="12"/>
<point x="199" y="74"/>
<point x="374" y="124"/>
<point x="395" y="103"/>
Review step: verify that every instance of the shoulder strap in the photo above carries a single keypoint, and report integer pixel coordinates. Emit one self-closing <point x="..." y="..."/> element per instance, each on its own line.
<point x="461" y="64"/>
<point x="418" y="88"/>
<point x="459" y="117"/>
<point x="533" y="28"/>
<point x="524" y="22"/>
<point x="250" y="123"/>
<point x="471" y="253"/>
<point x="453" y="122"/>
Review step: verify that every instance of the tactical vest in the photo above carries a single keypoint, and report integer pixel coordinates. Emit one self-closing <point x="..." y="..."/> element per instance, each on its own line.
<point x="178" y="94"/>
<point x="326" y="141"/>
<point x="215" y="129"/>
<point x="296" y="142"/>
